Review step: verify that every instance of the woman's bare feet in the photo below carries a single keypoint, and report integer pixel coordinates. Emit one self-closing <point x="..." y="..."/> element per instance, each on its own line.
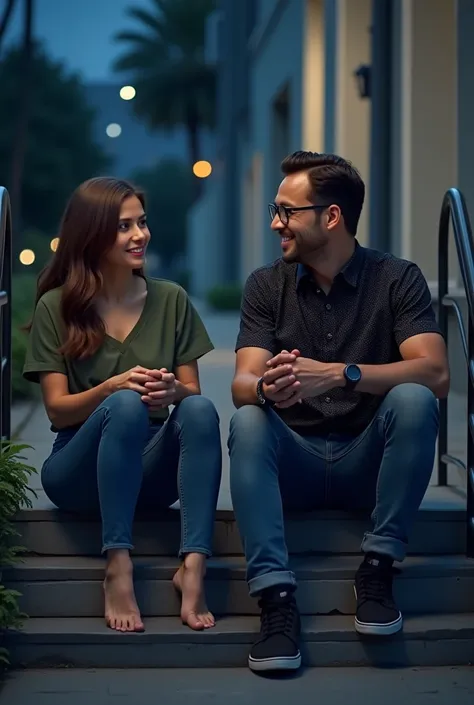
<point x="121" y="609"/>
<point x="189" y="581"/>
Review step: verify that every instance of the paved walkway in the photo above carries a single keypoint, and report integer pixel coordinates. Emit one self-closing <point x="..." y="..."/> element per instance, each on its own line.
<point x="423" y="686"/>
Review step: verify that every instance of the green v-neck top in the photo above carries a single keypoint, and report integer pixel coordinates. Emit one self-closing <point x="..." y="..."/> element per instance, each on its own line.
<point x="168" y="333"/>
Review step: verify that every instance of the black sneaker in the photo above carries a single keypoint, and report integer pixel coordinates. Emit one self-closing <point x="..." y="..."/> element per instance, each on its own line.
<point x="376" y="612"/>
<point x="277" y="647"/>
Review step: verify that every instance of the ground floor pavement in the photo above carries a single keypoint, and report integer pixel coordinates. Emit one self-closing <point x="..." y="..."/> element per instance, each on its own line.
<point x="328" y="686"/>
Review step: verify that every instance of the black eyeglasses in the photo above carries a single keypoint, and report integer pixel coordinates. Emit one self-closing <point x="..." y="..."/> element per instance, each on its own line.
<point x="284" y="212"/>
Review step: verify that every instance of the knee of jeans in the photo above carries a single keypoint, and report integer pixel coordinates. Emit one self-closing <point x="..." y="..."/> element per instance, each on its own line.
<point x="248" y="423"/>
<point x="414" y="404"/>
<point x="127" y="407"/>
<point x="199" y="411"/>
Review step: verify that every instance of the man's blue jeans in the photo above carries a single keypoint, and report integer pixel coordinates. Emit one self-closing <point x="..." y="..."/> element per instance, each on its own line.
<point x="116" y="459"/>
<point x="386" y="468"/>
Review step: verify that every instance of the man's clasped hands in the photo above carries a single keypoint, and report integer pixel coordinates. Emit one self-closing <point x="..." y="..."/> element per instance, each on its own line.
<point x="290" y="378"/>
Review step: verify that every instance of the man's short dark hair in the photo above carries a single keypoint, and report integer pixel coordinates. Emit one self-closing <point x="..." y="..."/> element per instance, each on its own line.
<point x="333" y="181"/>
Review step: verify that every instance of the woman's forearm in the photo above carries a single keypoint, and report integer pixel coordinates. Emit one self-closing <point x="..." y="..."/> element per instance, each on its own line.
<point x="73" y="409"/>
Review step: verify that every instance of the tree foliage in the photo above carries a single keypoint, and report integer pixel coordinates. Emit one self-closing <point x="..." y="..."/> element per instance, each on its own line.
<point x="165" y="61"/>
<point x="61" y="151"/>
<point x="169" y="192"/>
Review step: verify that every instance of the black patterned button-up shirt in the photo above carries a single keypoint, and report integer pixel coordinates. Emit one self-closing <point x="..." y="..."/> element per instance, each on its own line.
<point x="375" y="303"/>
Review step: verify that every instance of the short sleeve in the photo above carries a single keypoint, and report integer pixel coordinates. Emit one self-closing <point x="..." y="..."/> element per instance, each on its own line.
<point x="43" y="346"/>
<point x="192" y="340"/>
<point x="413" y="307"/>
<point x="257" y="324"/>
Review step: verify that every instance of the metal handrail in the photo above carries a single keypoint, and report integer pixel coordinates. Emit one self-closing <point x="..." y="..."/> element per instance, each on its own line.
<point x="454" y="209"/>
<point x="5" y="314"/>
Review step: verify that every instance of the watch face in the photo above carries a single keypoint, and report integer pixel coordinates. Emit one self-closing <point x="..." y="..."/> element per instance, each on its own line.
<point x="353" y="373"/>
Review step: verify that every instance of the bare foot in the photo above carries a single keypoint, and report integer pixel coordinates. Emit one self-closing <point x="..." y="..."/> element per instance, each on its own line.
<point x="189" y="581"/>
<point x="121" y="609"/>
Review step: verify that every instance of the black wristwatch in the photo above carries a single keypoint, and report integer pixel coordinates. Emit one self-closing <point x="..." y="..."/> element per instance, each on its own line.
<point x="261" y="398"/>
<point x="352" y="376"/>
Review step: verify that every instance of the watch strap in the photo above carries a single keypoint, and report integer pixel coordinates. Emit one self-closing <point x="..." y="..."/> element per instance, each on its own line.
<point x="261" y="398"/>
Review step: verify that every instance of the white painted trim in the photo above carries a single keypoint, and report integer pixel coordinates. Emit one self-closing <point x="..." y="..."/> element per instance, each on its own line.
<point x="406" y="126"/>
<point x="313" y="77"/>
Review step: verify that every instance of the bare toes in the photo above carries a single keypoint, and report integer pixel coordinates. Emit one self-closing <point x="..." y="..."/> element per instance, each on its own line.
<point x="193" y="621"/>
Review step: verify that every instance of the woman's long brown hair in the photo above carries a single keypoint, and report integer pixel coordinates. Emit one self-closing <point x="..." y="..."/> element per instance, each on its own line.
<point x="88" y="230"/>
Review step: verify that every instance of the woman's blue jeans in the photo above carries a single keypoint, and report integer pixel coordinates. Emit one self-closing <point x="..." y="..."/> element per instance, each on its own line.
<point x="117" y="460"/>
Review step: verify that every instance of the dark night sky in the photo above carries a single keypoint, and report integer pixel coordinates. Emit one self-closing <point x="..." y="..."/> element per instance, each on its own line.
<point x="80" y="32"/>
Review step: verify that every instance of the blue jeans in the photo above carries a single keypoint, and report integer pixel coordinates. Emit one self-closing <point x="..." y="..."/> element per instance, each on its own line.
<point x="116" y="459"/>
<point x="386" y="468"/>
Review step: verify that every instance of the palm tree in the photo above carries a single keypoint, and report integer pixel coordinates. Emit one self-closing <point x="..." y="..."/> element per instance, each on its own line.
<point x="6" y="17"/>
<point x="165" y="61"/>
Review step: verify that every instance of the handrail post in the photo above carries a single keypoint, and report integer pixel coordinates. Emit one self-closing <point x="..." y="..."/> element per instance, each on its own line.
<point x="454" y="208"/>
<point x="5" y="315"/>
<point x="470" y="450"/>
<point x="444" y="328"/>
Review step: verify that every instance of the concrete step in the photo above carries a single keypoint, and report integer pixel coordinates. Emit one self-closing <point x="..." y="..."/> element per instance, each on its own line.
<point x="326" y="641"/>
<point x="440" y="529"/>
<point x="72" y="587"/>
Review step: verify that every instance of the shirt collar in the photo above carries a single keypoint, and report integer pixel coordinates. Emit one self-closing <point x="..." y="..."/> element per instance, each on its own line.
<point x="350" y="272"/>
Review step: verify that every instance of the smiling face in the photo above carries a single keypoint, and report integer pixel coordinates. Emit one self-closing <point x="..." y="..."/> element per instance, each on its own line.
<point x="133" y="236"/>
<point x="307" y="231"/>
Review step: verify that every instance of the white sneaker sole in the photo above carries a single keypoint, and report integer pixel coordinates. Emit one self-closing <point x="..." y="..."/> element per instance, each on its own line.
<point x="379" y="629"/>
<point x="375" y="629"/>
<point x="281" y="663"/>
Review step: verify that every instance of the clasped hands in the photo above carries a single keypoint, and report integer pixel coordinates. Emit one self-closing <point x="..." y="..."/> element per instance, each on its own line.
<point x="158" y="388"/>
<point x="161" y="390"/>
<point x="291" y="378"/>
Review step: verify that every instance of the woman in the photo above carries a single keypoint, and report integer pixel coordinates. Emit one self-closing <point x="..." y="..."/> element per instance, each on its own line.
<point x="112" y="350"/>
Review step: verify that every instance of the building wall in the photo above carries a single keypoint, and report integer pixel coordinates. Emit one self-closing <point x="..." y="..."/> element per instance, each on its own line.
<point x="465" y="114"/>
<point x="351" y="112"/>
<point x="276" y="62"/>
<point x="428" y="122"/>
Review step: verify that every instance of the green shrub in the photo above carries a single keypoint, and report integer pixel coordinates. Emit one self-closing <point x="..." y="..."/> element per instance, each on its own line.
<point x="183" y="278"/>
<point x="14" y="495"/>
<point x="226" y="297"/>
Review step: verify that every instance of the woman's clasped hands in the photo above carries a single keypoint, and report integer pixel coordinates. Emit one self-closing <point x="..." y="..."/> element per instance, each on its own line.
<point x="157" y="387"/>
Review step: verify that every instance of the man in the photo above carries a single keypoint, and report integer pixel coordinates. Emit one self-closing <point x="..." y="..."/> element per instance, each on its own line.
<point x="339" y="363"/>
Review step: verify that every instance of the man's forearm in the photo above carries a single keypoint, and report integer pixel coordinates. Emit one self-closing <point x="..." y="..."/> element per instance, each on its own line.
<point x="379" y="379"/>
<point x="244" y="389"/>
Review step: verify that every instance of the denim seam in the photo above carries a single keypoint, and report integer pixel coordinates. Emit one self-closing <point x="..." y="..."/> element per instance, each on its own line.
<point x="374" y="512"/>
<point x="115" y="546"/>
<point x="100" y="409"/>
<point x="328" y="469"/>
<point x="292" y="435"/>
<point x="182" y="505"/>
<point x="357" y="441"/>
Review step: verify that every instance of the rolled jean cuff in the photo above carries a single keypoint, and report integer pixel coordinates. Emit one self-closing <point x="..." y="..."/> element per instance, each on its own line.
<point x="262" y="582"/>
<point x="112" y="546"/>
<point x="185" y="550"/>
<point x="385" y="545"/>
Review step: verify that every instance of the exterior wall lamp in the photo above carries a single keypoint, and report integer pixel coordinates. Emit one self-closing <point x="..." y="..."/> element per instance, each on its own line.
<point x="363" y="76"/>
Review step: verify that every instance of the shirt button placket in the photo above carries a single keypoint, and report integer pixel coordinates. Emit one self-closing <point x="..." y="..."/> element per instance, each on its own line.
<point x="329" y="337"/>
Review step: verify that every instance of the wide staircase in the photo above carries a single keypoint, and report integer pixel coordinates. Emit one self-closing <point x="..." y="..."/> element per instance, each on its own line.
<point x="61" y="577"/>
